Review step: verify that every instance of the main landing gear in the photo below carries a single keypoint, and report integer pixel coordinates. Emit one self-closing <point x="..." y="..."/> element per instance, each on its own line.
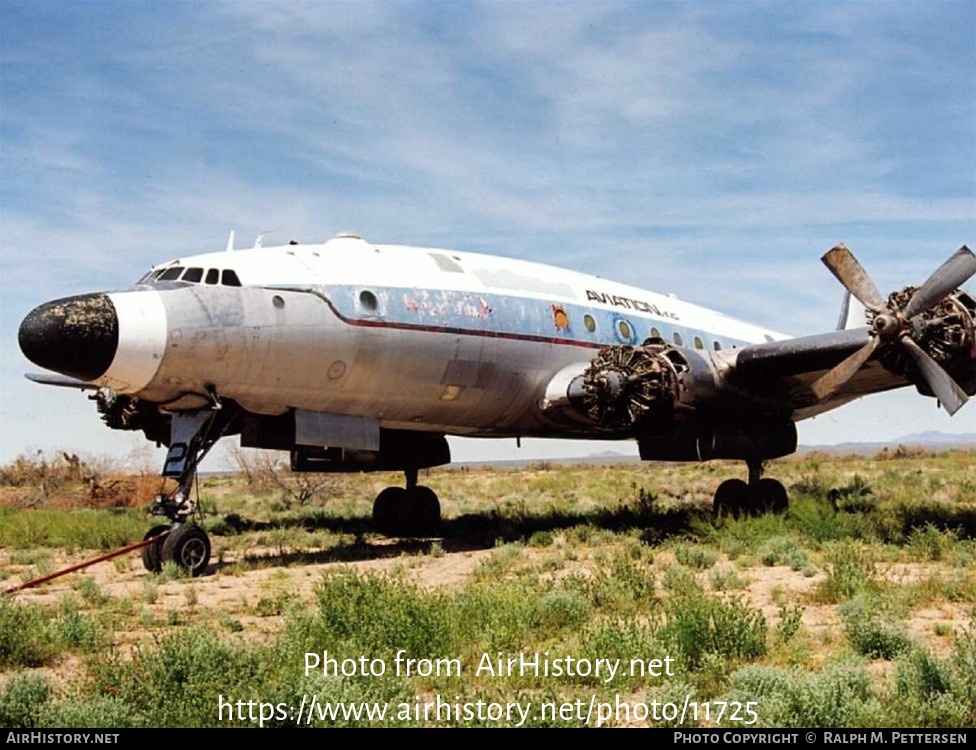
<point x="410" y="511"/>
<point x="735" y="497"/>
<point x="182" y="541"/>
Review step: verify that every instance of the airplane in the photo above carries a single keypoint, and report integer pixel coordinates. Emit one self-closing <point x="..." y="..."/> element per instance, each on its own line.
<point x="355" y="356"/>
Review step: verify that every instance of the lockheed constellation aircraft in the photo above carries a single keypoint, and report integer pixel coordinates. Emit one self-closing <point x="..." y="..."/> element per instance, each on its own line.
<point x="360" y="357"/>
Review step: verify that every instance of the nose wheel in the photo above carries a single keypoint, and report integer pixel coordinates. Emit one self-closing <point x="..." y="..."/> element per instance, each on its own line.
<point x="413" y="511"/>
<point x="187" y="545"/>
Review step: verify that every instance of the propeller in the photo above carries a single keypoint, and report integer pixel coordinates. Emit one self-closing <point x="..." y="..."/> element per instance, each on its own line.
<point x="891" y="323"/>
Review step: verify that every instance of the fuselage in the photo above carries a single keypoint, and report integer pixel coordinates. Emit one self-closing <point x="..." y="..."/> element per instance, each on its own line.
<point x="417" y="338"/>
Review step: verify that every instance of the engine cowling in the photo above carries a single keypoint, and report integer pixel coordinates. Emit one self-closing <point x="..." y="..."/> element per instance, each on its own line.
<point x="632" y="390"/>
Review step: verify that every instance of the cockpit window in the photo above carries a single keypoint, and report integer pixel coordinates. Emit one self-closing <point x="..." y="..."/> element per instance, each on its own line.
<point x="192" y="275"/>
<point x="171" y="274"/>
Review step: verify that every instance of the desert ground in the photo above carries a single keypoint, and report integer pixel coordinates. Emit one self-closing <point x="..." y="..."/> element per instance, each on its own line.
<point x="856" y="607"/>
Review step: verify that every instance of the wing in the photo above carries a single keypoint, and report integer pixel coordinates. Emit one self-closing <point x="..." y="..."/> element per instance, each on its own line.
<point x="919" y="335"/>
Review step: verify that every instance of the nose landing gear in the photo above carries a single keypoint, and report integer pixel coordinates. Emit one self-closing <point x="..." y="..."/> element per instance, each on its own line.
<point x="184" y="542"/>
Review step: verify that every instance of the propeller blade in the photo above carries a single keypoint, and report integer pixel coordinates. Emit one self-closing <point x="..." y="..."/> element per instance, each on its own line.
<point x="852" y="275"/>
<point x="950" y="275"/>
<point x="945" y="389"/>
<point x="826" y="385"/>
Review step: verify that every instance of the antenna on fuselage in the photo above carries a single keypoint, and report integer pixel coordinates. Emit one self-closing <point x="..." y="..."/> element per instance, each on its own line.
<point x="230" y="242"/>
<point x="259" y="240"/>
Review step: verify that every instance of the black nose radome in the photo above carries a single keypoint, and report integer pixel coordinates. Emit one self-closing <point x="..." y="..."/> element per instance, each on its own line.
<point x="75" y="336"/>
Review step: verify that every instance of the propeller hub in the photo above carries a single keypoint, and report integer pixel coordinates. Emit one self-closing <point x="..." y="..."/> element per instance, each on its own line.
<point x="887" y="325"/>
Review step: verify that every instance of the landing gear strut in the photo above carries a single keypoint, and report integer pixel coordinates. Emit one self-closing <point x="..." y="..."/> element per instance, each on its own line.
<point x="183" y="541"/>
<point x="735" y="497"/>
<point x="411" y="511"/>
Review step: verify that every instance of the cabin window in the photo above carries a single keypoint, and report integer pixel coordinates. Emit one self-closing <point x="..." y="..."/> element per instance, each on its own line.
<point x="589" y="323"/>
<point x="717" y="345"/>
<point x="560" y="318"/>
<point x="677" y="339"/>
<point x="655" y="334"/>
<point x="625" y="332"/>
<point x="193" y="275"/>
<point x="229" y="278"/>
<point x="698" y="343"/>
<point x="213" y="276"/>
<point x="171" y="274"/>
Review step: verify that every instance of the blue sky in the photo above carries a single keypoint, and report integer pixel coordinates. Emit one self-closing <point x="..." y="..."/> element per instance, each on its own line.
<point x="715" y="150"/>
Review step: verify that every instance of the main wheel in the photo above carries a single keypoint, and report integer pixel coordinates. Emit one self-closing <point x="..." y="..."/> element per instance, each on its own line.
<point x="385" y="510"/>
<point x="731" y="498"/>
<point x="152" y="554"/>
<point x="189" y="547"/>
<point x="428" y="511"/>
<point x="420" y="513"/>
<point x="773" y="495"/>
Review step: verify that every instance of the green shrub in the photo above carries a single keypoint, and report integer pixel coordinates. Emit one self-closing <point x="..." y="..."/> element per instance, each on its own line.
<point x="869" y="634"/>
<point x="783" y="550"/>
<point x="680" y="580"/>
<point x="27" y="638"/>
<point x="698" y="625"/>
<point x="382" y="614"/>
<point x="22" y="701"/>
<point x="76" y="630"/>
<point x="92" y="711"/>
<point x="839" y="696"/>
<point x="930" y="544"/>
<point x="560" y="609"/>
<point x="177" y="682"/>
<point x="695" y="556"/>
<point x="790" y="619"/>
<point x="932" y="692"/>
<point x="850" y="571"/>
<point x="726" y="579"/>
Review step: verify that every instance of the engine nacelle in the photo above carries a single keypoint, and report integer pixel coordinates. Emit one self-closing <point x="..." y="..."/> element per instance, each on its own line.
<point x="761" y="440"/>
<point x="630" y="390"/>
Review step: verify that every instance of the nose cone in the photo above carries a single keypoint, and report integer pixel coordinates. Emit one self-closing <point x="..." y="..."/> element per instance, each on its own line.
<point x="75" y="336"/>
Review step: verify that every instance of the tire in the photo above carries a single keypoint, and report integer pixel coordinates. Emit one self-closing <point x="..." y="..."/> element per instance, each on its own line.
<point x="385" y="510"/>
<point x="420" y="513"/>
<point x="189" y="547"/>
<point x="774" y="496"/>
<point x="428" y="511"/>
<point x="152" y="554"/>
<point x="731" y="499"/>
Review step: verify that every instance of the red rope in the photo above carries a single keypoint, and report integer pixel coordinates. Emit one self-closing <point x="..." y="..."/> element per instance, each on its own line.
<point x="79" y="566"/>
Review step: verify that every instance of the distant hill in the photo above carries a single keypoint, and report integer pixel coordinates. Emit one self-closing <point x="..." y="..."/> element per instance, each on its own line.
<point x="930" y="439"/>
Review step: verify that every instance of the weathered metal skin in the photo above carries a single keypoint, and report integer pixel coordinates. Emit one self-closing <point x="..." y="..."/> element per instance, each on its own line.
<point x="298" y="353"/>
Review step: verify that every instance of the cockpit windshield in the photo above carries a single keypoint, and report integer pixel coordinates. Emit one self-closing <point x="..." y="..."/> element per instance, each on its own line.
<point x="192" y="275"/>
